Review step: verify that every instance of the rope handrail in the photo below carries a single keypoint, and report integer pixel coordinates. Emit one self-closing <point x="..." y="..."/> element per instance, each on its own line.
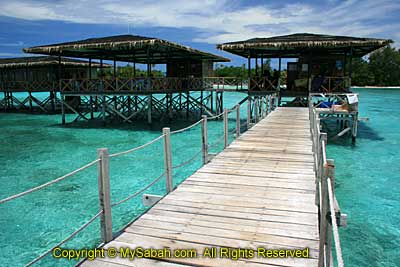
<point x="49" y="183"/>
<point x="103" y="161"/>
<point x="187" y="128"/>
<point x="219" y="140"/>
<point x="65" y="239"/>
<point x="215" y="117"/>
<point x="137" y="148"/>
<point x="138" y="192"/>
<point x="188" y="161"/>
<point x="335" y="230"/>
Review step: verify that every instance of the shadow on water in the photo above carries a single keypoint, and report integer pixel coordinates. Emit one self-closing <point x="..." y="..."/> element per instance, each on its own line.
<point x="367" y="132"/>
<point x="364" y="132"/>
<point x="137" y="125"/>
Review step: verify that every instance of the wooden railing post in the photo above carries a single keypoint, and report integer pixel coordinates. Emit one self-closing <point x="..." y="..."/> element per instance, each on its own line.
<point x="330" y="174"/>
<point x="256" y="109"/>
<point x="237" y="120"/>
<point x="104" y="194"/>
<point x="226" y="127"/>
<point x="204" y="139"/>
<point x="323" y="219"/>
<point x="168" y="160"/>
<point x="248" y="111"/>
<point x="271" y="108"/>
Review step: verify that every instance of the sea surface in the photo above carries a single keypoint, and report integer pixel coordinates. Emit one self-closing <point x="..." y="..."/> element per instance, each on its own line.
<point x="35" y="149"/>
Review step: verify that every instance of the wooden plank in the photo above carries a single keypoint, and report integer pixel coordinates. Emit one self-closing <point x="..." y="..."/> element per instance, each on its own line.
<point x="260" y="191"/>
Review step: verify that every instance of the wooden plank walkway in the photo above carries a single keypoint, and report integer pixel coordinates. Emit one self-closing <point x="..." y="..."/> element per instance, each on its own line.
<point x="259" y="192"/>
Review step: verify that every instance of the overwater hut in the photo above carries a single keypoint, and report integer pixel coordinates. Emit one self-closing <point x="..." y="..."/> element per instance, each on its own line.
<point x="319" y="70"/>
<point x="38" y="74"/>
<point x="321" y="60"/>
<point x="126" y="98"/>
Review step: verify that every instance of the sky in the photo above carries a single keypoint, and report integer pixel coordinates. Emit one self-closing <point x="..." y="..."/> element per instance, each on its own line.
<point x="199" y="24"/>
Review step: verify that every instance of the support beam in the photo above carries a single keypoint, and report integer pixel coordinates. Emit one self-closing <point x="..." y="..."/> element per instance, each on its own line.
<point x="149" y="107"/>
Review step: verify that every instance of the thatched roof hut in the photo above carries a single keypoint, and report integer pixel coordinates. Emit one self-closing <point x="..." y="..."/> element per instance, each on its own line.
<point x="45" y="61"/>
<point x="295" y="45"/>
<point x="127" y="48"/>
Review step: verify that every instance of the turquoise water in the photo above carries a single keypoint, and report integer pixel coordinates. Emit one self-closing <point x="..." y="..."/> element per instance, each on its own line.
<point x="36" y="149"/>
<point x="368" y="182"/>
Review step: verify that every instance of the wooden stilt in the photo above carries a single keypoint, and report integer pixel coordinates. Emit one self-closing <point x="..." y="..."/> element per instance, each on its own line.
<point x="30" y="101"/>
<point x="149" y="107"/>
<point x="62" y="109"/>
<point x="103" y="109"/>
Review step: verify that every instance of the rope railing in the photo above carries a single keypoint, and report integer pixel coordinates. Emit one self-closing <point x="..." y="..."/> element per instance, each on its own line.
<point x="188" y="127"/>
<point x="335" y="226"/>
<point x="49" y="183"/>
<point x="136" y="148"/>
<point x="187" y="161"/>
<point x="325" y="196"/>
<point x="219" y="141"/>
<point x="139" y="191"/>
<point x="103" y="165"/>
<point x="216" y="116"/>
<point x="77" y="231"/>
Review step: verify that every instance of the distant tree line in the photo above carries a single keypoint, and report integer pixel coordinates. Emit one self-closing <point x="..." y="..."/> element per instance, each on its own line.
<point x="381" y="69"/>
<point x="242" y="71"/>
<point x="222" y="70"/>
<point x="127" y="72"/>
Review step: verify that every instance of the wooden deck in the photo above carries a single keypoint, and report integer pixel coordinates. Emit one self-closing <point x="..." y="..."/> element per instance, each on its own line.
<point x="259" y="192"/>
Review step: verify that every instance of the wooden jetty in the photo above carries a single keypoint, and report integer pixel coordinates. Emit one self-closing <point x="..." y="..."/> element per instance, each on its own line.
<point x="258" y="192"/>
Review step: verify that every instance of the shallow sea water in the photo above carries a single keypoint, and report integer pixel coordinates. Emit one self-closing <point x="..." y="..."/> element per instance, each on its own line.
<point x="368" y="182"/>
<point x="36" y="149"/>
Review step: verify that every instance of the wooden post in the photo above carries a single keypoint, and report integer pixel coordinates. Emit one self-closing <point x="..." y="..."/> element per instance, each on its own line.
<point x="355" y="127"/>
<point x="168" y="160"/>
<point x="237" y="120"/>
<point x="188" y="103"/>
<point x="331" y="175"/>
<point x="149" y="107"/>
<point x="226" y="127"/>
<point x="262" y="66"/>
<point x="103" y="97"/>
<point x="30" y="101"/>
<point x="256" y="111"/>
<point x="279" y="77"/>
<point x="62" y="108"/>
<point x="248" y="70"/>
<point x="104" y="194"/>
<point x="323" y="220"/>
<point x="248" y="111"/>
<point x="91" y="97"/>
<point x="204" y="139"/>
<point x="350" y="67"/>
<point x="60" y="90"/>
<point x="256" y="60"/>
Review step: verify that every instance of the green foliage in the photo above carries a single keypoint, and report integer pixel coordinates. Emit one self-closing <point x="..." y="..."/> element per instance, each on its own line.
<point x="241" y="72"/>
<point x="362" y="75"/>
<point x="382" y="69"/>
<point x="385" y="66"/>
<point x="127" y="72"/>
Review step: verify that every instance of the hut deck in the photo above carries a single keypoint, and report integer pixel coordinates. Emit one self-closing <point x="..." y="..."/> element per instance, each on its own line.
<point x="259" y="192"/>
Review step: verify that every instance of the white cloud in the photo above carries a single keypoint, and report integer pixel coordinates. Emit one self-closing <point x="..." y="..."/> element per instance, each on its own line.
<point x="14" y="44"/>
<point x="222" y="21"/>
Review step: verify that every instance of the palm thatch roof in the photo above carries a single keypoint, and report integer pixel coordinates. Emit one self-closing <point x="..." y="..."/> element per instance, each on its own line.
<point x="294" y="45"/>
<point x="23" y="62"/>
<point x="127" y="48"/>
